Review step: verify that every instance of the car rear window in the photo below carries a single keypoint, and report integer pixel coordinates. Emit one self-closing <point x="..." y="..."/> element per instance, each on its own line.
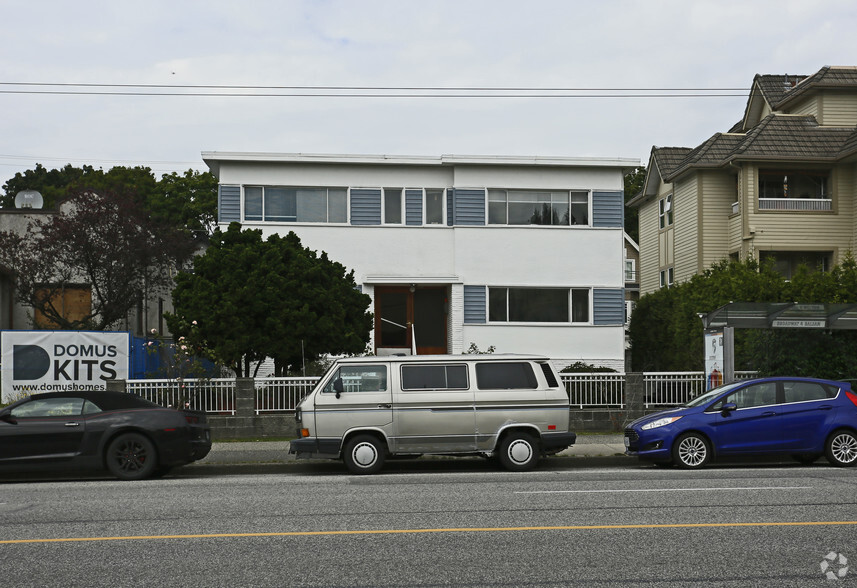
<point x="517" y="375"/>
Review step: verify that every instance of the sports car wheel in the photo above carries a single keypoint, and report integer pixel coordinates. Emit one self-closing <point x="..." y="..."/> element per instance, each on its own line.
<point x="842" y="448"/>
<point x="131" y="456"/>
<point x="364" y="454"/>
<point x="691" y="451"/>
<point x="519" y="452"/>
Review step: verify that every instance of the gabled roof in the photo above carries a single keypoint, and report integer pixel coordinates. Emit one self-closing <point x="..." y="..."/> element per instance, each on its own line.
<point x="662" y="162"/>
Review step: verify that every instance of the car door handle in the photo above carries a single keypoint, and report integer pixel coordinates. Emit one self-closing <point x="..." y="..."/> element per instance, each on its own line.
<point x="385" y="406"/>
<point x="825" y="407"/>
<point x="72" y="424"/>
<point x="767" y="414"/>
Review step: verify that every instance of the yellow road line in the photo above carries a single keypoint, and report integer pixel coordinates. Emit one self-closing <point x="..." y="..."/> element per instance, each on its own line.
<point x="441" y="530"/>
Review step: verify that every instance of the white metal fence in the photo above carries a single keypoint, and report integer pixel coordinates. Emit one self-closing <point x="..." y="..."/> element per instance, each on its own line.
<point x="590" y="390"/>
<point x="215" y="395"/>
<point x="281" y="394"/>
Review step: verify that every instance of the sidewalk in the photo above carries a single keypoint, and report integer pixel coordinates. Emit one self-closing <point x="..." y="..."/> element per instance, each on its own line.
<point x="277" y="452"/>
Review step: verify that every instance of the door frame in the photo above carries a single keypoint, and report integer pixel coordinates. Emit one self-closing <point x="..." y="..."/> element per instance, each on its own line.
<point x="410" y="292"/>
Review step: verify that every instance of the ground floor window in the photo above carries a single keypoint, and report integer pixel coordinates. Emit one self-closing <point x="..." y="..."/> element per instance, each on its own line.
<point x="538" y="305"/>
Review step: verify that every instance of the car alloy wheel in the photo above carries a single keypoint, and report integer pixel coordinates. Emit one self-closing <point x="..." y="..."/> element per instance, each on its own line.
<point x="842" y="449"/>
<point x="131" y="456"/>
<point x="691" y="451"/>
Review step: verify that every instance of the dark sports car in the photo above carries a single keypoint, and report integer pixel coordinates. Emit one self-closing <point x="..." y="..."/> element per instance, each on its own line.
<point x="123" y="433"/>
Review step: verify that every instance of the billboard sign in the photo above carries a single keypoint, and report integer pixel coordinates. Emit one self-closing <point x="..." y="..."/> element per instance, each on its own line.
<point x="32" y="362"/>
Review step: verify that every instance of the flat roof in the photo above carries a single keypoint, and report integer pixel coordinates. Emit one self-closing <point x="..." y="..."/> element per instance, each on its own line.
<point x="444" y="358"/>
<point x="214" y="158"/>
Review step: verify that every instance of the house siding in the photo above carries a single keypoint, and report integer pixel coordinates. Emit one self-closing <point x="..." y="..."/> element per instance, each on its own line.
<point x="413" y="207"/>
<point x="608" y="306"/>
<point x="475" y="304"/>
<point x="718" y="195"/>
<point x="649" y="254"/>
<point x="608" y="209"/>
<point x="468" y="207"/>
<point x="365" y="206"/>
<point x="839" y="109"/>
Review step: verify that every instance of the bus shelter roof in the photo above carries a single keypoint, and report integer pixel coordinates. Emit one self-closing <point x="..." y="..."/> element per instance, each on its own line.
<point x="782" y="315"/>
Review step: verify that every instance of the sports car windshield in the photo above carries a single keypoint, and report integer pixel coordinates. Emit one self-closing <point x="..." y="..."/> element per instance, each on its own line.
<point x="711" y="394"/>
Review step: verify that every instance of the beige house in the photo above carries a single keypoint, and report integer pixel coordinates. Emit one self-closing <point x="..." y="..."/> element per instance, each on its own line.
<point x="780" y="184"/>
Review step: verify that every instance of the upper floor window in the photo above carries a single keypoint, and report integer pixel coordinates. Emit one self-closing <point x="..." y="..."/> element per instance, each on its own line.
<point x="392" y="206"/>
<point x="667" y="277"/>
<point x="531" y="207"/>
<point x="434" y="206"/>
<point x="793" y="190"/>
<point x="289" y="204"/>
<point x="539" y="305"/>
<point x="665" y="211"/>
<point x="630" y="270"/>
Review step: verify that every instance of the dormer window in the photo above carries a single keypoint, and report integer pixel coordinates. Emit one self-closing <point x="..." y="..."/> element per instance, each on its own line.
<point x="665" y="211"/>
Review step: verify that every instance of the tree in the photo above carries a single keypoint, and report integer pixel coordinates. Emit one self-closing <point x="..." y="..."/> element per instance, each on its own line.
<point x="667" y="334"/>
<point x="105" y="242"/>
<point x="187" y="201"/>
<point x="248" y="299"/>
<point x="633" y="185"/>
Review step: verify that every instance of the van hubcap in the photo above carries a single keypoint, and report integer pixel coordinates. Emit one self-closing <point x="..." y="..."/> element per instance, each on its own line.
<point x="364" y="454"/>
<point x="520" y="451"/>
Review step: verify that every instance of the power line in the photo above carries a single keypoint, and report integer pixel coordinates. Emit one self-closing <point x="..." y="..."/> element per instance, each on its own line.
<point x="246" y="91"/>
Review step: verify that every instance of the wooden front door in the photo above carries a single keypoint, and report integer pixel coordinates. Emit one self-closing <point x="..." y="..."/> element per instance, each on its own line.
<point x="401" y="314"/>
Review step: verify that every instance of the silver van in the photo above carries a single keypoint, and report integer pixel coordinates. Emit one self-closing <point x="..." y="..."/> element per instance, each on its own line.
<point x="365" y="409"/>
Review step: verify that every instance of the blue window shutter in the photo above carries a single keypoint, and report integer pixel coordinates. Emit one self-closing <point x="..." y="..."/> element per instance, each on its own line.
<point x="608" y="306"/>
<point x="475" y="299"/>
<point x="608" y="209"/>
<point x="228" y="204"/>
<point x="413" y="207"/>
<point x="450" y="206"/>
<point x="469" y="207"/>
<point x="365" y="206"/>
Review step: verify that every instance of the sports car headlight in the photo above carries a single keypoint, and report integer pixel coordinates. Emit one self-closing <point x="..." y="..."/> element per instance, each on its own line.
<point x="660" y="423"/>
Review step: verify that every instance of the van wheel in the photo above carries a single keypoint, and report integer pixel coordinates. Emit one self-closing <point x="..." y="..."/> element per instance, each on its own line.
<point x="519" y="452"/>
<point x="364" y="454"/>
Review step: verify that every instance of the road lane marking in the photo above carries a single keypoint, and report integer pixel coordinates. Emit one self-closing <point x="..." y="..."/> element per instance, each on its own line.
<point x="661" y="490"/>
<point x="426" y="531"/>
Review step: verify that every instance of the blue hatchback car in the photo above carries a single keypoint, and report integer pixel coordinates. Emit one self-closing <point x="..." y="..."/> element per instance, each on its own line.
<point x="801" y="417"/>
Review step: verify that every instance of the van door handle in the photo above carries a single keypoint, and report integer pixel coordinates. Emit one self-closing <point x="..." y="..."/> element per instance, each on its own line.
<point x="385" y="406"/>
<point x="72" y="424"/>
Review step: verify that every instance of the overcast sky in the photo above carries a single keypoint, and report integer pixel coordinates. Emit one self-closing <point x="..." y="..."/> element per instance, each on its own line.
<point x="537" y="44"/>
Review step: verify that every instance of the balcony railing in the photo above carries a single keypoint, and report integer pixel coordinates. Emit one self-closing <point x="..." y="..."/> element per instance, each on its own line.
<point x="796" y="204"/>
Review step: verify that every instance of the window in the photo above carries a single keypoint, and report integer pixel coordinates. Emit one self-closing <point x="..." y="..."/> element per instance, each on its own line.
<point x="393" y="206"/>
<point x="541" y="305"/>
<point x="505" y="376"/>
<point x="630" y="270"/>
<point x="434" y="377"/>
<point x="665" y="211"/>
<point x="50" y="407"/>
<point x="359" y="378"/>
<point x="530" y="207"/>
<point x="805" y="391"/>
<point x="753" y="396"/>
<point x="434" y="206"/>
<point x="667" y="277"/>
<point x="303" y="205"/>
<point x="792" y="184"/>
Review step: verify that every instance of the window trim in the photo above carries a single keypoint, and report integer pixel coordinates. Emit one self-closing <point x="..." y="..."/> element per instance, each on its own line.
<point x="439" y="364"/>
<point x="569" y="192"/>
<point x="569" y="299"/>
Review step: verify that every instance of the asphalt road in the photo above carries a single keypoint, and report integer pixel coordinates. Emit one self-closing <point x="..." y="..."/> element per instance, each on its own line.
<point x="433" y="523"/>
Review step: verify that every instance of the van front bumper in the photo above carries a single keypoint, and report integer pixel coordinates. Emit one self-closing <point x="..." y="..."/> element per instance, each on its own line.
<point x="553" y="442"/>
<point x="310" y="447"/>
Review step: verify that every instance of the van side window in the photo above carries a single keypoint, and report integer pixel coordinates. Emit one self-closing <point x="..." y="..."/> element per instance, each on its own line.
<point x="360" y="378"/>
<point x="505" y="376"/>
<point x="551" y="379"/>
<point x="434" y="377"/>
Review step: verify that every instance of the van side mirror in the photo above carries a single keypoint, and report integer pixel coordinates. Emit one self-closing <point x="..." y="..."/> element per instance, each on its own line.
<point x="338" y="387"/>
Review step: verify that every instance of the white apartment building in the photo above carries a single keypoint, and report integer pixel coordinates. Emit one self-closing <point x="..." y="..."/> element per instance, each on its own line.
<point x="523" y="254"/>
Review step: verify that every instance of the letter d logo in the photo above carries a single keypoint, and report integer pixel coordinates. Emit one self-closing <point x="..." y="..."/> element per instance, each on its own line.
<point x="29" y="362"/>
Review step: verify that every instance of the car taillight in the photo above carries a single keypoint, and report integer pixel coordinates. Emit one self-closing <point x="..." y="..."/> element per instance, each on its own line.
<point x="852" y="397"/>
<point x="192" y="420"/>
